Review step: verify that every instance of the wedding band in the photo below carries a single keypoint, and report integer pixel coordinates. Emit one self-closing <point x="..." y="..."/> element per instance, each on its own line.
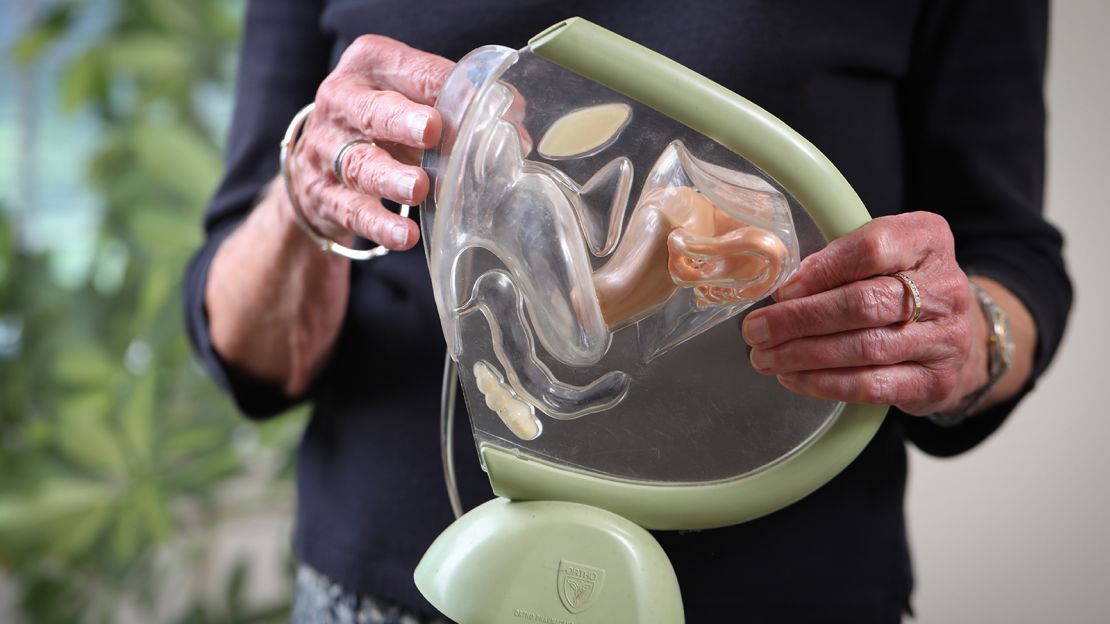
<point x="911" y="287"/>
<point x="288" y="144"/>
<point x="337" y="165"/>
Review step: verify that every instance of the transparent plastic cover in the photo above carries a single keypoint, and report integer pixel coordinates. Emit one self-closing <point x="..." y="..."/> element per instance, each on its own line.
<point x="591" y="259"/>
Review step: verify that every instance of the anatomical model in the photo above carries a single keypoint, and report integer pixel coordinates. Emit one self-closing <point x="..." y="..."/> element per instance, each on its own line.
<point x="702" y="243"/>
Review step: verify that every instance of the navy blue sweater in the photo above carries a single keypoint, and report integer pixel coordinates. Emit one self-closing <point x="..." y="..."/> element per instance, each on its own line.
<point x="922" y="105"/>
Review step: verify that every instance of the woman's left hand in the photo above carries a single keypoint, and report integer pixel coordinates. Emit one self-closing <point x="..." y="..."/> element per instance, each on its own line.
<point x="839" y="329"/>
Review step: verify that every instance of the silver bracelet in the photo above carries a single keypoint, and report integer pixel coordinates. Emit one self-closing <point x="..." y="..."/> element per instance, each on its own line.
<point x="288" y="144"/>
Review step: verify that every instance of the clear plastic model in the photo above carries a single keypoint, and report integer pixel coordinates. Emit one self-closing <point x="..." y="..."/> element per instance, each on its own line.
<point x="579" y="248"/>
<point x="600" y="219"/>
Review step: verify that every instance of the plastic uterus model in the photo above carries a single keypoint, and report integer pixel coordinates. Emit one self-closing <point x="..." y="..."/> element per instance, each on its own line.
<point x="587" y="249"/>
<point x="580" y="262"/>
<point x="600" y="217"/>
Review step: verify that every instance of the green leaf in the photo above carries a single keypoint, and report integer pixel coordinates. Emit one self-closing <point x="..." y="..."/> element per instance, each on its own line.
<point x="180" y="159"/>
<point x="137" y="418"/>
<point x="284" y="432"/>
<point x="159" y="289"/>
<point x="193" y="440"/>
<point x="84" y="81"/>
<point x="86" y="438"/>
<point x="150" y="505"/>
<point x="110" y="266"/>
<point x="126" y="540"/>
<point x="55" y="499"/>
<point x="165" y="232"/>
<point x="200" y="472"/>
<point x="30" y="47"/>
<point x="36" y="39"/>
<point x="147" y="55"/>
<point x="176" y="16"/>
<point x="87" y="364"/>
<point x="82" y="531"/>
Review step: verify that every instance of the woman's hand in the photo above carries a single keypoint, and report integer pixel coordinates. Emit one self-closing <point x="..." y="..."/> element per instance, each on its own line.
<point x="275" y="302"/>
<point x="381" y="91"/>
<point x="839" y="327"/>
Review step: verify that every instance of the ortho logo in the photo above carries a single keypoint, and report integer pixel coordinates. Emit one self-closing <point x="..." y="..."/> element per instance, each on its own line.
<point x="579" y="585"/>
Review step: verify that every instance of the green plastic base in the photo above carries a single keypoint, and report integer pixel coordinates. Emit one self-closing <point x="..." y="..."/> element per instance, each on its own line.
<point x="545" y="561"/>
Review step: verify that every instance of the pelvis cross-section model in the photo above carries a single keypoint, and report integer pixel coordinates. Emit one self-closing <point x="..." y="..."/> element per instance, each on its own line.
<point x="573" y="246"/>
<point x="600" y="219"/>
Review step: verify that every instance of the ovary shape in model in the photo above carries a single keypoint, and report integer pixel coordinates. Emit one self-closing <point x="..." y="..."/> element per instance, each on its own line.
<point x="584" y="131"/>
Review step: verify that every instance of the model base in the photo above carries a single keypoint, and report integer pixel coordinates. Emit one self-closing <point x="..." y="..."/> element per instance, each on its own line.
<point x="507" y="562"/>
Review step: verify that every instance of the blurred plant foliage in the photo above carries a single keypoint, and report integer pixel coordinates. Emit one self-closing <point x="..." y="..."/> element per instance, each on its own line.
<point x="114" y="446"/>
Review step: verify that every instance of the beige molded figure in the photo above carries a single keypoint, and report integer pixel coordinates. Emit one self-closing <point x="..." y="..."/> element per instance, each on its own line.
<point x="701" y="244"/>
<point x="677" y="238"/>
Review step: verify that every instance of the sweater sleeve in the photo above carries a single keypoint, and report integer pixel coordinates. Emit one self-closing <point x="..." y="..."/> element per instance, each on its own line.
<point x="284" y="56"/>
<point x="974" y="118"/>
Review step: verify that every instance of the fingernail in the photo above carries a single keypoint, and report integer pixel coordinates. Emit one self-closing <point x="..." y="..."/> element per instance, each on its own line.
<point x="792" y="290"/>
<point x="406" y="184"/>
<point x="418" y="125"/>
<point x="760" y="360"/>
<point x="755" y="330"/>
<point x="400" y="234"/>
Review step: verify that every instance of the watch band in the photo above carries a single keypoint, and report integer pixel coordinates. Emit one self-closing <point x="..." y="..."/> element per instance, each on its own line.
<point x="1000" y="354"/>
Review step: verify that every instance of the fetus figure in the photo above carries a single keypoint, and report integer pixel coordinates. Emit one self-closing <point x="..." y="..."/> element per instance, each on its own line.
<point x="737" y="262"/>
<point x="676" y="238"/>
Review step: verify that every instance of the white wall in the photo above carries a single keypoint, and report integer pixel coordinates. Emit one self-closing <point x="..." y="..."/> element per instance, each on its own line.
<point x="1018" y="530"/>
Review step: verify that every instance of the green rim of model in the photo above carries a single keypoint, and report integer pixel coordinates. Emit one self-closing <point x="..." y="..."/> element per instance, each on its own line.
<point x="705" y="106"/>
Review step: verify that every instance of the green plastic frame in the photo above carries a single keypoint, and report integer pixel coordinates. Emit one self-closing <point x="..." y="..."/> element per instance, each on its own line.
<point x="743" y="127"/>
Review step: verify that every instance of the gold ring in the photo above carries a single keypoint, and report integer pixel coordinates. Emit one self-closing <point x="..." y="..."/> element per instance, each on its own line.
<point x="337" y="165"/>
<point x="911" y="287"/>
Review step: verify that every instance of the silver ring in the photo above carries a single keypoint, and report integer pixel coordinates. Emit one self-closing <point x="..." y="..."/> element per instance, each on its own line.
<point x="337" y="165"/>
<point x="288" y="144"/>
<point x="911" y="288"/>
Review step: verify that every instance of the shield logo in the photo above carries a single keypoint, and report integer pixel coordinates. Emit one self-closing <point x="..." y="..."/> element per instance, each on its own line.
<point x="579" y="585"/>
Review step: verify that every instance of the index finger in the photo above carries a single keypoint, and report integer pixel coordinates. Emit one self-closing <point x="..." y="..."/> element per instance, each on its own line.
<point x="394" y="66"/>
<point x="884" y="245"/>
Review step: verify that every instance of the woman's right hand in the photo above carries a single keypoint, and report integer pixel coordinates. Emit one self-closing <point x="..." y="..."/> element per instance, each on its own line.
<point x="275" y="303"/>
<point x="381" y="91"/>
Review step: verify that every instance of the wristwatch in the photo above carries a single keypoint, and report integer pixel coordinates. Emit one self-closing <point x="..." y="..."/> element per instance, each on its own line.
<point x="1000" y="355"/>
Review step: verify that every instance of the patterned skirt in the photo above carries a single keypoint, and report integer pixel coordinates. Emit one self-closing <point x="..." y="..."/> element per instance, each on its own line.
<point x="320" y="600"/>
